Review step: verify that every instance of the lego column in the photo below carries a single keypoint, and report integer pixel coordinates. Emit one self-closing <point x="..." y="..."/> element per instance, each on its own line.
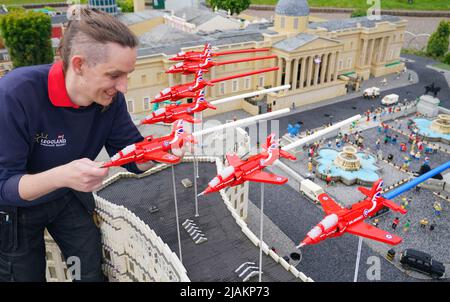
<point x="331" y="66"/>
<point x="317" y="66"/>
<point x="363" y="53"/>
<point x="302" y="72"/>
<point x="309" y="77"/>
<point x="280" y="71"/>
<point x="324" y="68"/>
<point x="336" y="71"/>
<point x="295" y="77"/>
<point x="287" y="76"/>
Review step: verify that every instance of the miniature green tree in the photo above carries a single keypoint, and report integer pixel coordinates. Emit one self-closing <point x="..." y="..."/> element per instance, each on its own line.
<point x="446" y="59"/>
<point x="27" y="36"/>
<point x="438" y="42"/>
<point x="126" y="6"/>
<point x="234" y="6"/>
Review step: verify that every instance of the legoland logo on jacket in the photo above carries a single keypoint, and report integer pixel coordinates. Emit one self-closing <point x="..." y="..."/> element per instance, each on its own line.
<point x="43" y="140"/>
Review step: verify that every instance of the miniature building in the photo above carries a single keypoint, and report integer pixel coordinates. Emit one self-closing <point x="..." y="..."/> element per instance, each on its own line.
<point x="108" y="6"/>
<point x="318" y="59"/>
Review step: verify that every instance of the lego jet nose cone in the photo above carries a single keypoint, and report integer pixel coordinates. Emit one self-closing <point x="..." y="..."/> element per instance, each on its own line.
<point x="206" y="191"/>
<point x="108" y="164"/>
<point x="305" y="241"/>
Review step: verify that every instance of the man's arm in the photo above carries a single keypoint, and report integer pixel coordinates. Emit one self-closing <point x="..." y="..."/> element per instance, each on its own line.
<point x="81" y="175"/>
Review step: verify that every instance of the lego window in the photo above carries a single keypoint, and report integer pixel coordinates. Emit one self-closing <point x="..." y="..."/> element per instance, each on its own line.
<point x="283" y="22"/>
<point x="261" y="81"/>
<point x="130" y="106"/>
<point x="146" y="103"/>
<point x="222" y="88"/>
<point x="247" y="83"/>
<point x="235" y="86"/>
<point x="143" y="79"/>
<point x="52" y="272"/>
<point x="296" y="23"/>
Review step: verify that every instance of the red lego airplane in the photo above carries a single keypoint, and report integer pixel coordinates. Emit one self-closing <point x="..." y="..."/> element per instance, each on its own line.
<point x="241" y="171"/>
<point x="156" y="149"/>
<point x="341" y="220"/>
<point x="200" y="56"/>
<point x="188" y="90"/>
<point x="189" y="67"/>
<point x="173" y="112"/>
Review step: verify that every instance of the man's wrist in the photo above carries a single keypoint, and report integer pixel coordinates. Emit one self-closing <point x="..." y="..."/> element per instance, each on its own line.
<point x="56" y="177"/>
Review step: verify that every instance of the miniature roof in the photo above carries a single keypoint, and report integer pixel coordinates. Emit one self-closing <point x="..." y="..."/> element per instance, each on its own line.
<point x="335" y="25"/>
<point x="295" y="42"/>
<point x="133" y="18"/>
<point x="294" y="8"/>
<point x="195" y="16"/>
<point x="167" y="35"/>
<point x="173" y="39"/>
<point x="227" y="246"/>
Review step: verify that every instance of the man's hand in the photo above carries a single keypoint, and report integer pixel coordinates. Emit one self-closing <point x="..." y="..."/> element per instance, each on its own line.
<point x="83" y="175"/>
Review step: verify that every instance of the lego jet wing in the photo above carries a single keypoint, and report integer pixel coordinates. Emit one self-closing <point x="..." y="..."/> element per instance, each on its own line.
<point x="234" y="160"/>
<point x="393" y="206"/>
<point x="328" y="204"/>
<point x="261" y="176"/>
<point x="162" y="157"/>
<point x="188" y="118"/>
<point x="366" y="230"/>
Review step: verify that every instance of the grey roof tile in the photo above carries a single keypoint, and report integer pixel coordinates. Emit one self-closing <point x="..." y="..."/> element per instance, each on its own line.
<point x="133" y="18"/>
<point x="335" y="25"/>
<point x="293" y="8"/>
<point x="295" y="42"/>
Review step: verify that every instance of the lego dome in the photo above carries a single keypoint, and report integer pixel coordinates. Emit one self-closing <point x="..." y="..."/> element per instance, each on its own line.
<point x="296" y="8"/>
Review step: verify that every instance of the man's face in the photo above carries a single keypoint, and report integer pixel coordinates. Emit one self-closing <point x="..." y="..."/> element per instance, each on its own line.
<point x="102" y="81"/>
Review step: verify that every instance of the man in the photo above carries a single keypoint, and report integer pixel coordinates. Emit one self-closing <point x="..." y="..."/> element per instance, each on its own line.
<point x="54" y="120"/>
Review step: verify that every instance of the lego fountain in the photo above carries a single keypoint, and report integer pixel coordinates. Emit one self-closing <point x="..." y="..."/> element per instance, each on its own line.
<point x="441" y="124"/>
<point x="435" y="130"/>
<point x="347" y="159"/>
<point x="348" y="165"/>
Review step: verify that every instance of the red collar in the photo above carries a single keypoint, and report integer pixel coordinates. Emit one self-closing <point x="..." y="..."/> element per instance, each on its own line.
<point x="57" y="91"/>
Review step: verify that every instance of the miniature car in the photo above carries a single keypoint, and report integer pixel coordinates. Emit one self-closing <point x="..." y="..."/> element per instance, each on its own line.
<point x="381" y="212"/>
<point x="422" y="262"/>
<point x="390" y="99"/>
<point x="371" y="92"/>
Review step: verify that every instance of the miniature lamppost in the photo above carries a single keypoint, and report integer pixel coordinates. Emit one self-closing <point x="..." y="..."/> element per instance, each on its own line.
<point x="176" y="213"/>
<point x="261" y="231"/>
<point x="358" y="256"/>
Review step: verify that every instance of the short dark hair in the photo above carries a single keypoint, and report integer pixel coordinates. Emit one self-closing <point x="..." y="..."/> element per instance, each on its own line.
<point x="88" y="32"/>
